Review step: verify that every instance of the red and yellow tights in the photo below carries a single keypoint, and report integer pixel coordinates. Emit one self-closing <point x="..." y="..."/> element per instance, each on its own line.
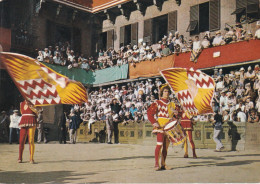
<point x="30" y="131"/>
<point x="192" y="145"/>
<point x="162" y="143"/>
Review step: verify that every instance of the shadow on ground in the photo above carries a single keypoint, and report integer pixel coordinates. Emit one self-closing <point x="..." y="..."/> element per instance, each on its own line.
<point x="209" y="164"/>
<point x="102" y="160"/>
<point x="42" y="177"/>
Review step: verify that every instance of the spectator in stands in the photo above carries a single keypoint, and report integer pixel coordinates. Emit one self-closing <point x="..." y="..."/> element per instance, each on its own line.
<point x="166" y="51"/>
<point x="132" y="110"/>
<point x="196" y="44"/>
<point x="85" y="65"/>
<point x="240" y="32"/>
<point x="241" y="116"/>
<point x="253" y="116"/>
<point x="40" y="56"/>
<point x="46" y="55"/>
<point x="218" y="40"/>
<point x="228" y="35"/>
<point x="249" y="76"/>
<point x="57" y="59"/>
<point x="257" y="33"/>
<point x="205" y="42"/>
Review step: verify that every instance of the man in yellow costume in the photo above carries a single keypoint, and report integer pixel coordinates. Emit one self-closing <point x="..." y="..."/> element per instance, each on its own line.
<point x="165" y="111"/>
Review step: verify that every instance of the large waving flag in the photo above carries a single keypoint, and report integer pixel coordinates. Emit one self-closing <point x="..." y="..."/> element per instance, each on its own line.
<point x="193" y="89"/>
<point x="39" y="84"/>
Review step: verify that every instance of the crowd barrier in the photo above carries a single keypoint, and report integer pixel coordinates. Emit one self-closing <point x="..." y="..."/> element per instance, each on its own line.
<point x="233" y="134"/>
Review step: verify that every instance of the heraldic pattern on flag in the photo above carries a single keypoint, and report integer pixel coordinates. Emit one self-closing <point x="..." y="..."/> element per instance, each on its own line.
<point x="194" y="89"/>
<point x="40" y="84"/>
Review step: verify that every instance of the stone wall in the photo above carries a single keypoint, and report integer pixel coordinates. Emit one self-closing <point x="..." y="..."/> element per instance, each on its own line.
<point x="233" y="135"/>
<point x="252" y="138"/>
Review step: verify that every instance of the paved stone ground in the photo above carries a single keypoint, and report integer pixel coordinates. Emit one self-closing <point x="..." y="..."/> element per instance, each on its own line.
<point x="123" y="163"/>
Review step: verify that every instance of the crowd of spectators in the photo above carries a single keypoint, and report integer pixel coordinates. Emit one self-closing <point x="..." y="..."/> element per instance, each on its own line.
<point x="175" y="43"/>
<point x="236" y="98"/>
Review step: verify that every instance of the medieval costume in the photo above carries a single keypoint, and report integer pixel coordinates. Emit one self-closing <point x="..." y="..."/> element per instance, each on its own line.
<point x="165" y="111"/>
<point x="187" y="125"/>
<point x="28" y="125"/>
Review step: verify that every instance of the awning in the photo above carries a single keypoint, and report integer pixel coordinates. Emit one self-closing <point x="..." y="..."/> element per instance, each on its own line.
<point x="237" y="11"/>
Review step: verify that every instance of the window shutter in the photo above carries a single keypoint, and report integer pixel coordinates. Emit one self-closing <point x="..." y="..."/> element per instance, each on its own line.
<point x="148" y="31"/>
<point x="214" y="15"/>
<point x="134" y="33"/>
<point x="194" y="18"/>
<point x="240" y="4"/>
<point x="122" y="36"/>
<point x="172" y="21"/>
<point x="110" y="38"/>
<point x="252" y="6"/>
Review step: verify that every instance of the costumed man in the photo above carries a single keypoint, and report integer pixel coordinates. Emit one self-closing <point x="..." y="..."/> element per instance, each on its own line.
<point x="165" y="111"/>
<point x="28" y="125"/>
<point x="187" y="125"/>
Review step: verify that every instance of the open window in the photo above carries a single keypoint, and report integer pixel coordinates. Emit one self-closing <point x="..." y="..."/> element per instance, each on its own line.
<point x="128" y="34"/>
<point x="204" y="17"/>
<point x="106" y="40"/>
<point x="247" y="11"/>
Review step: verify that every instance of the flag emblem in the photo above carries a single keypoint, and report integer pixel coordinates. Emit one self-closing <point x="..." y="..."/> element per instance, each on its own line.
<point x="194" y="89"/>
<point x="39" y="84"/>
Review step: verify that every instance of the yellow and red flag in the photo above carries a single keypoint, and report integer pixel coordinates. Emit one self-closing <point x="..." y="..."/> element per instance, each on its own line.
<point x="194" y="89"/>
<point x="39" y="84"/>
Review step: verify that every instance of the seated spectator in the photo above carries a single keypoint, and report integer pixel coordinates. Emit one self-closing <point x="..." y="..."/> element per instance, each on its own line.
<point x="85" y="65"/>
<point x="57" y="59"/>
<point x="46" y="55"/>
<point x="249" y="76"/>
<point x="257" y="33"/>
<point x="241" y="116"/>
<point x="132" y="110"/>
<point x="240" y="105"/>
<point x="196" y="44"/>
<point x="166" y="51"/>
<point x="228" y="35"/>
<point x="40" y="56"/>
<point x="205" y="42"/>
<point x="218" y="40"/>
<point x="253" y="116"/>
<point x="226" y="116"/>
<point x="240" y="32"/>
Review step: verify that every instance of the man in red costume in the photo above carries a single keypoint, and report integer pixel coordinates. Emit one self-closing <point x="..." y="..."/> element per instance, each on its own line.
<point x="164" y="111"/>
<point x="28" y="125"/>
<point x="186" y="123"/>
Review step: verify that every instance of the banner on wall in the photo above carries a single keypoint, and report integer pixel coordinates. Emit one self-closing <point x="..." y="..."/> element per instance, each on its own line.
<point x="151" y="68"/>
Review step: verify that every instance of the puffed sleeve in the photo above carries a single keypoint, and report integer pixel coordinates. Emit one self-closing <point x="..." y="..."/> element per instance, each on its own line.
<point x="151" y="111"/>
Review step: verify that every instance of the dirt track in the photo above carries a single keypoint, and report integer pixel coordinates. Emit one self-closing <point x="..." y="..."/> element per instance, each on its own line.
<point x="122" y="163"/>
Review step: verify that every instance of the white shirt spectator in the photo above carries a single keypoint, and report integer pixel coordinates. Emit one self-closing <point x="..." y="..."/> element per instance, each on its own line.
<point x="205" y="43"/>
<point x="218" y="40"/>
<point x="257" y="34"/>
<point x="15" y="120"/>
<point x="241" y="116"/>
<point x="196" y="45"/>
<point x="57" y="60"/>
